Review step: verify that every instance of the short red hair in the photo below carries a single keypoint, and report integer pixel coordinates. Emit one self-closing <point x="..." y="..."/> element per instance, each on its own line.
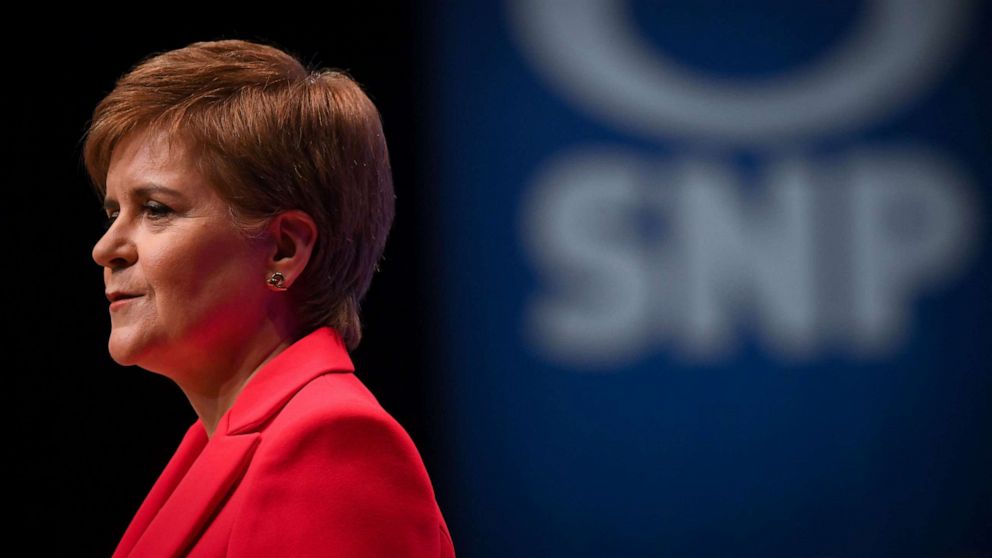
<point x="270" y="135"/>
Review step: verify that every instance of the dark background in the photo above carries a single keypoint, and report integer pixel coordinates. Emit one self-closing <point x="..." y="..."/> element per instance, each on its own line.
<point x="91" y="436"/>
<point x="468" y="121"/>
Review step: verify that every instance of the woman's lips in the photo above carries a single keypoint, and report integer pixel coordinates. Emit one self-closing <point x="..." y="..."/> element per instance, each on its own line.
<point x="122" y="301"/>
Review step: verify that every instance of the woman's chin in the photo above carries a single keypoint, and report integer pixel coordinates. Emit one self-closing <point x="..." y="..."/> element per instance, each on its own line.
<point x="123" y="349"/>
<point x="122" y="358"/>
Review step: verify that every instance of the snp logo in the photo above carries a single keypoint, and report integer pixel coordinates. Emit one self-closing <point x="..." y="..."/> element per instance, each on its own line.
<point x="810" y="253"/>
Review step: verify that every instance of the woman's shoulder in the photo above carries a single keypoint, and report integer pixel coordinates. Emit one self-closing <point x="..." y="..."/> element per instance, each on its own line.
<point x="338" y="407"/>
<point x="333" y="395"/>
<point x="333" y="457"/>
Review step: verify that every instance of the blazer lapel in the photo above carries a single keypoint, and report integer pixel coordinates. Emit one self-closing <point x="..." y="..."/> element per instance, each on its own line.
<point x="203" y="471"/>
<point x="186" y="512"/>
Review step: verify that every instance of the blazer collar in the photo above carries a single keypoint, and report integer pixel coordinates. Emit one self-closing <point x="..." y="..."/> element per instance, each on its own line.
<point x="272" y="386"/>
<point x="202" y="471"/>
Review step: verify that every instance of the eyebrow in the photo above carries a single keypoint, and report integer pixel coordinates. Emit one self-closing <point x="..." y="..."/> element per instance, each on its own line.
<point x="144" y="190"/>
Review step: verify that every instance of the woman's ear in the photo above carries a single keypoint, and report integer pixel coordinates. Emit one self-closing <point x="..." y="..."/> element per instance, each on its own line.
<point x="294" y="235"/>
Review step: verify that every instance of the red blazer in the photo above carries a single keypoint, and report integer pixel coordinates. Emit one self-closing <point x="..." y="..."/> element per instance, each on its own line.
<point x="305" y="463"/>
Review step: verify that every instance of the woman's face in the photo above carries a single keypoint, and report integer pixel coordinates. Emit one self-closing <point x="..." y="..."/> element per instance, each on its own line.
<point x="201" y="287"/>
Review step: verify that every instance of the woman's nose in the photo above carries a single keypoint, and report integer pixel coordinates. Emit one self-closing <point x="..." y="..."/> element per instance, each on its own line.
<point x="114" y="249"/>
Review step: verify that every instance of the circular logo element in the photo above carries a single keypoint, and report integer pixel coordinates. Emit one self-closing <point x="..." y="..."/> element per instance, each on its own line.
<point x="592" y="53"/>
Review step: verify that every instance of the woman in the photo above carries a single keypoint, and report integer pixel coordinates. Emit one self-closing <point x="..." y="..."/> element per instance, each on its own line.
<point x="249" y="200"/>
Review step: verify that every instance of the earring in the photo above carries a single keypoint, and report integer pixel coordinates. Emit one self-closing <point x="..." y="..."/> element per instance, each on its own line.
<point x="277" y="280"/>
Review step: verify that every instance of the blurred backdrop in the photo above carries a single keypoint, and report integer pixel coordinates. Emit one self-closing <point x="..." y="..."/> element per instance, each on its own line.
<point x="667" y="279"/>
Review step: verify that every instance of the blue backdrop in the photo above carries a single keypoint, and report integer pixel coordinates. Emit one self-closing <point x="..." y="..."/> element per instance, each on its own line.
<point x="713" y="277"/>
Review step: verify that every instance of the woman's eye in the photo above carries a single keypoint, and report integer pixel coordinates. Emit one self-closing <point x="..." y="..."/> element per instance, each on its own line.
<point x="156" y="210"/>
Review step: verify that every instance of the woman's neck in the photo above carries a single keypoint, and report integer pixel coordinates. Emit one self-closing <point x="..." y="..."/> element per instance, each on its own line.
<point x="218" y="380"/>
